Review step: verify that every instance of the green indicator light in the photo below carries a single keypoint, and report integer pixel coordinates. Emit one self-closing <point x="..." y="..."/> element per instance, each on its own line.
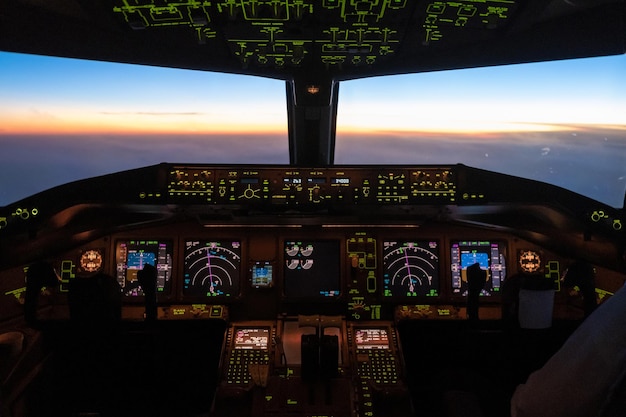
<point x="602" y="293"/>
<point x="17" y="293"/>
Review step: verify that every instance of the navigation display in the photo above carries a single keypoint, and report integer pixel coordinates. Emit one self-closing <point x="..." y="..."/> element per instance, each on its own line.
<point x="132" y="255"/>
<point x="212" y="268"/>
<point x="491" y="257"/>
<point x="410" y="268"/>
<point x="251" y="338"/>
<point x="312" y="269"/>
<point x="371" y="338"/>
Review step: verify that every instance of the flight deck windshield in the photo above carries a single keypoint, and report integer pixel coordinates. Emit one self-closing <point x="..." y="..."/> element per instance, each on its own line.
<point x="546" y="121"/>
<point x="75" y="119"/>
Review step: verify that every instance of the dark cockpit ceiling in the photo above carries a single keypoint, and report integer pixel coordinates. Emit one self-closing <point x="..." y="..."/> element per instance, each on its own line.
<point x="314" y="44"/>
<point x="314" y="39"/>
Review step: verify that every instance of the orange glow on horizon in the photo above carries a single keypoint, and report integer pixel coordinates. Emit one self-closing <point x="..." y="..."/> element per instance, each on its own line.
<point x="482" y="130"/>
<point x="12" y="123"/>
<point x="139" y="132"/>
<point x="64" y="120"/>
<point x="85" y="129"/>
<point x="10" y="127"/>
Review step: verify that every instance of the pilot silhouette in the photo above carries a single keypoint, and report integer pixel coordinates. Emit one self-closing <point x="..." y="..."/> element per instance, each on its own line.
<point x="40" y="274"/>
<point x="148" y="280"/>
<point x="476" y="279"/>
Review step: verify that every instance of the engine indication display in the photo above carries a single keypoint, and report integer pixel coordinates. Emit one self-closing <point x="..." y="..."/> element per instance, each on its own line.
<point x="312" y="269"/>
<point x="410" y="268"/>
<point x="212" y="268"/>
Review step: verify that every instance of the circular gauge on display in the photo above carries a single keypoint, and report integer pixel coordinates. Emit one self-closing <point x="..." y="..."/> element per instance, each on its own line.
<point x="529" y="261"/>
<point x="212" y="268"/>
<point x="91" y="261"/>
<point x="410" y="268"/>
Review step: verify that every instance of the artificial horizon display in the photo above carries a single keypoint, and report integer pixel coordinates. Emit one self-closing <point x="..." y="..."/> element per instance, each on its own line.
<point x="491" y="257"/>
<point x="133" y="254"/>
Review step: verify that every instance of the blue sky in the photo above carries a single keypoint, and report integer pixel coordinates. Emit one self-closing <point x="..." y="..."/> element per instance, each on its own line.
<point x="63" y="119"/>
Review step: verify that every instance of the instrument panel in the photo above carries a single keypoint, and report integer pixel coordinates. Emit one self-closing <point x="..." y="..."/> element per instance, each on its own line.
<point x="361" y="272"/>
<point x="359" y="240"/>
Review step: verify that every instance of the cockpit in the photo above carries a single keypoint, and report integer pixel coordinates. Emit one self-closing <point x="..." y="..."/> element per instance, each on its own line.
<point x="380" y="271"/>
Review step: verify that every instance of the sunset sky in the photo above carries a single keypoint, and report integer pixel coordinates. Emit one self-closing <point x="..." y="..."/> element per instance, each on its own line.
<point x="68" y="119"/>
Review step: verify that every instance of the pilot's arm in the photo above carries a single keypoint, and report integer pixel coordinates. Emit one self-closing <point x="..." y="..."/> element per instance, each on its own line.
<point x="578" y="381"/>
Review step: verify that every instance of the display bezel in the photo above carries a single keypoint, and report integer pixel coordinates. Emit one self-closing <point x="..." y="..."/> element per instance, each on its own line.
<point x="260" y="280"/>
<point x="424" y="266"/>
<point x="165" y="268"/>
<point x="227" y="269"/>
<point x="497" y="272"/>
<point x="248" y="343"/>
<point x="371" y="332"/>
<point x="327" y="292"/>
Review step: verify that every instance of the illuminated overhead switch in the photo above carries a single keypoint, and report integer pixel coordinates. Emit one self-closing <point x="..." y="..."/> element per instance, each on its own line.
<point x="436" y="8"/>
<point x="280" y="48"/>
<point x="397" y="4"/>
<point x="466" y="11"/>
<point x="166" y="15"/>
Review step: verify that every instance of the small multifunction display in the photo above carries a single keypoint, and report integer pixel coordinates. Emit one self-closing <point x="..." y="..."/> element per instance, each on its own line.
<point x="262" y="274"/>
<point x="251" y="338"/>
<point x="371" y="339"/>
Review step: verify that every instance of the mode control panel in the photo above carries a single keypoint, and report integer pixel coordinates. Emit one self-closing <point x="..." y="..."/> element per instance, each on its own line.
<point x="311" y="186"/>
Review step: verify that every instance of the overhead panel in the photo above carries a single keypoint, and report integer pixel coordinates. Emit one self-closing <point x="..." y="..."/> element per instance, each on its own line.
<point x="332" y="35"/>
<point x="315" y="39"/>
<point x="453" y="20"/>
